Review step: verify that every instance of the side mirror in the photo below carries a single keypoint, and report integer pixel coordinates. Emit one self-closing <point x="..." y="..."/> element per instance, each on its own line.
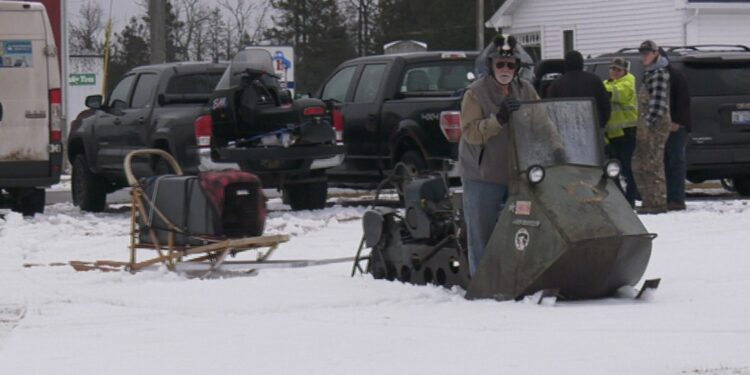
<point x="94" y="101"/>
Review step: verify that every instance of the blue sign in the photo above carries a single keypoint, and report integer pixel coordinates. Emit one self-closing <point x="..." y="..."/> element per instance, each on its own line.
<point x="16" y="54"/>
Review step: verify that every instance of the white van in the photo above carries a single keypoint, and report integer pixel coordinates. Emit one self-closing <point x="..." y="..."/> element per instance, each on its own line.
<point x="30" y="107"/>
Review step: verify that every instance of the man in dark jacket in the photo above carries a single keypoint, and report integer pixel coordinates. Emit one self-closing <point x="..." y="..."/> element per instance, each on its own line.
<point x="576" y="83"/>
<point x="675" y="163"/>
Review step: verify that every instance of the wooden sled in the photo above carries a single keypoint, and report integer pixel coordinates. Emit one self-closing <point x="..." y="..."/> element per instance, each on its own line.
<point x="201" y="259"/>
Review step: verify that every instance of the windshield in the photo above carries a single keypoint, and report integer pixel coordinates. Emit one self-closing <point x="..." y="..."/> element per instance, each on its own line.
<point x="541" y="128"/>
<point x="255" y="59"/>
<point x="436" y="77"/>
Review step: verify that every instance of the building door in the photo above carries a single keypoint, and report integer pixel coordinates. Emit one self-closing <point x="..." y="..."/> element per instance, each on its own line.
<point x="568" y="41"/>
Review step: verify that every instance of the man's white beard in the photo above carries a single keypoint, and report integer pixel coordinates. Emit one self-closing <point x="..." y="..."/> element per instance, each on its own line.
<point x="504" y="79"/>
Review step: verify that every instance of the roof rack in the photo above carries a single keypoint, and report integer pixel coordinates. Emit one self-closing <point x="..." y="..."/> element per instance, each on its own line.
<point x="712" y="47"/>
<point x="697" y="47"/>
<point x="635" y="49"/>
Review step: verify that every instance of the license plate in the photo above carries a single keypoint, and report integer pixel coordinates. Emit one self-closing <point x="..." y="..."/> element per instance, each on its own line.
<point x="740" y="117"/>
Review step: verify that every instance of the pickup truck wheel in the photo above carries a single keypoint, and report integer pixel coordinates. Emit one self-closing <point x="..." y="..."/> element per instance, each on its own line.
<point x="89" y="190"/>
<point x="310" y="196"/>
<point x="160" y="166"/>
<point x="414" y="160"/>
<point x="414" y="164"/>
<point x="29" y="202"/>
<point x="742" y="185"/>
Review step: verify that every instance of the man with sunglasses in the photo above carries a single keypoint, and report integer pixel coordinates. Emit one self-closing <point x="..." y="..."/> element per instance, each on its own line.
<point x="620" y="130"/>
<point x="483" y="150"/>
<point x="654" y="123"/>
<point x="576" y="83"/>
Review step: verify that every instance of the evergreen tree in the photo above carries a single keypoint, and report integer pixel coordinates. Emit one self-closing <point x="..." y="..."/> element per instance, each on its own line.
<point x="317" y="30"/>
<point x="362" y="15"/>
<point x="442" y="24"/>
<point x="216" y="32"/>
<point x="130" y="48"/>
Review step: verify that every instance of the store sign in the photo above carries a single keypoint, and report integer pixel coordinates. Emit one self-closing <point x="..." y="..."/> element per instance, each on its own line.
<point x="82" y="79"/>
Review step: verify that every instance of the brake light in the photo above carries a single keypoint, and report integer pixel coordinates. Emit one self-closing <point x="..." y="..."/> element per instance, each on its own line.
<point x="338" y="124"/>
<point x="204" y="129"/>
<point x="314" y="111"/>
<point x="450" y="125"/>
<point x="55" y="115"/>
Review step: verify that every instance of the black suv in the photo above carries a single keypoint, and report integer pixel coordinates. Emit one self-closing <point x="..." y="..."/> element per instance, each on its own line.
<point x="719" y="81"/>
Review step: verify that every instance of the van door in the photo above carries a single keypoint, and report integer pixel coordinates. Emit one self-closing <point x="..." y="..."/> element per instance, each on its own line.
<point x="24" y="93"/>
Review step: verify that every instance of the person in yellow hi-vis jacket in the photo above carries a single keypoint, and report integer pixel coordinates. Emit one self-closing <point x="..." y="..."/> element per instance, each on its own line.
<point x="621" y="127"/>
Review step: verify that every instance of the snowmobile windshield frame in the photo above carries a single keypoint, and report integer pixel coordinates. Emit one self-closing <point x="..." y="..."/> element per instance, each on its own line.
<point x="544" y="130"/>
<point x="253" y="59"/>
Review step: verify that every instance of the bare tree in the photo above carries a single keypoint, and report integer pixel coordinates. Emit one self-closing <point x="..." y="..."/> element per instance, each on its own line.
<point x="247" y="21"/>
<point x="86" y="33"/>
<point x="190" y="41"/>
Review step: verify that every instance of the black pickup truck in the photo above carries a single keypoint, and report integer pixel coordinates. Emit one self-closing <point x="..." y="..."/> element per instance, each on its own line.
<point x="170" y="107"/>
<point x="397" y="108"/>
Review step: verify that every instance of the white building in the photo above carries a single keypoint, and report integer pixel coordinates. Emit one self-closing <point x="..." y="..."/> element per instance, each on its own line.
<point x="549" y="28"/>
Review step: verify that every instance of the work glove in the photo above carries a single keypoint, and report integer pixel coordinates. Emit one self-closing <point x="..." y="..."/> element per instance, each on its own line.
<point x="490" y="128"/>
<point x="508" y="106"/>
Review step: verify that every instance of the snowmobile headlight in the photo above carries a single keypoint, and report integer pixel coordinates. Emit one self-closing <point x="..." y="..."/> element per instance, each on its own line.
<point x="612" y="168"/>
<point x="535" y="174"/>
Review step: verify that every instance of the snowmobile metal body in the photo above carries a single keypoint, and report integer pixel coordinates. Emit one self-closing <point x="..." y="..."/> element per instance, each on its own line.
<point x="566" y="225"/>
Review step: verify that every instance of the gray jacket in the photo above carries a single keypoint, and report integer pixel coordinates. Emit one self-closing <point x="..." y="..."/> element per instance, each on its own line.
<point x="480" y="129"/>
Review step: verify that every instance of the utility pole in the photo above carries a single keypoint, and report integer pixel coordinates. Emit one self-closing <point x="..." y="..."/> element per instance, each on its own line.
<point x="480" y="25"/>
<point x="157" y="10"/>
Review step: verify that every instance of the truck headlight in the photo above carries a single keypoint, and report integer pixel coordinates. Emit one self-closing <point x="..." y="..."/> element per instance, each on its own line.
<point x="612" y="168"/>
<point x="535" y="174"/>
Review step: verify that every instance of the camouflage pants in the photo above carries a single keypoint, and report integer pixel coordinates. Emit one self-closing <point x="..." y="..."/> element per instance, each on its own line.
<point x="648" y="164"/>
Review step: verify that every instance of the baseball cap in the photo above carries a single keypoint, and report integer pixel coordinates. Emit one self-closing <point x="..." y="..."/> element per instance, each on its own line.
<point x="648" y="46"/>
<point x="620" y="63"/>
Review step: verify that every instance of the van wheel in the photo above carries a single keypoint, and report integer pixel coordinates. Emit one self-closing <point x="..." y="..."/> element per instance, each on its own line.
<point x="29" y="202"/>
<point x="742" y="185"/>
<point x="89" y="190"/>
<point x="310" y="196"/>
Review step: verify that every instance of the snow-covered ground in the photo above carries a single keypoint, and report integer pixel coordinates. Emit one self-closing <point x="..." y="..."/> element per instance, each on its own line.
<point x="54" y="320"/>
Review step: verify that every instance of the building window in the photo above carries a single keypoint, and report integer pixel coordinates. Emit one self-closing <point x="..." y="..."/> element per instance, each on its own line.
<point x="532" y="43"/>
<point x="568" y="41"/>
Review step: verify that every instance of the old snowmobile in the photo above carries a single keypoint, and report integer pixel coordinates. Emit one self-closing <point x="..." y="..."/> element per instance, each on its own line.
<point x="566" y="227"/>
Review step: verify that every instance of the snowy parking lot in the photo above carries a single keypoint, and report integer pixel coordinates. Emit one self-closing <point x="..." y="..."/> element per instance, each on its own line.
<point x="319" y="320"/>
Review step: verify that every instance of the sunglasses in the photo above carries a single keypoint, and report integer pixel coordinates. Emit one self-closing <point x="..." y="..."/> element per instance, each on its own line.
<point x="503" y="64"/>
<point x="615" y="68"/>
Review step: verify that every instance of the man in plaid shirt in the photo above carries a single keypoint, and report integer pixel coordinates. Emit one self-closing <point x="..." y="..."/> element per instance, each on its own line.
<point x="653" y="130"/>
